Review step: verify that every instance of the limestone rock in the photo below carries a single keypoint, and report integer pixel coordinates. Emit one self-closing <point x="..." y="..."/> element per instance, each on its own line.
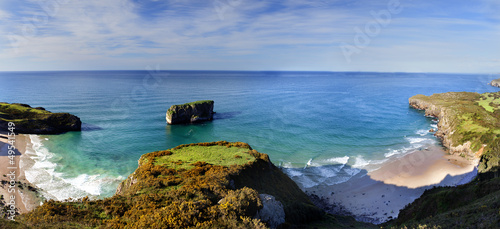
<point x="272" y="211"/>
<point x="191" y="112"/>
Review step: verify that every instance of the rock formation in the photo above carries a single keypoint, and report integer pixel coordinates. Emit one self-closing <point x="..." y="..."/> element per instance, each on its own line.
<point x="37" y="120"/>
<point x="272" y="212"/>
<point x="495" y="83"/>
<point x="251" y="173"/>
<point x="191" y="112"/>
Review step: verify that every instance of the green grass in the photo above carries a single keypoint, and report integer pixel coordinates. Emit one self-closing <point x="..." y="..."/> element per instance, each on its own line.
<point x="198" y="102"/>
<point x="16" y="112"/>
<point x="490" y="101"/>
<point x="215" y="155"/>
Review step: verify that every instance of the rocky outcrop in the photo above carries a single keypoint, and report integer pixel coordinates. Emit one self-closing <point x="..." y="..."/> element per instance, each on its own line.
<point x="37" y="120"/>
<point x="236" y="187"/>
<point x="272" y="212"/>
<point x="191" y="112"/>
<point x="495" y="83"/>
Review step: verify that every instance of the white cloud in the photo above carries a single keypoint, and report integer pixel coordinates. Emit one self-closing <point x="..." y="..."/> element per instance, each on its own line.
<point x="191" y="35"/>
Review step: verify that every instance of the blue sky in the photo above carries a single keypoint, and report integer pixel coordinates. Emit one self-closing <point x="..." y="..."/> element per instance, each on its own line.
<point x="338" y="35"/>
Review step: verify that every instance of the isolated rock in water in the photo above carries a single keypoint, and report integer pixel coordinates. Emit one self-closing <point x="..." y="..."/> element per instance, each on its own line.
<point x="495" y="83"/>
<point x="37" y="120"/>
<point x="191" y="112"/>
<point x="272" y="211"/>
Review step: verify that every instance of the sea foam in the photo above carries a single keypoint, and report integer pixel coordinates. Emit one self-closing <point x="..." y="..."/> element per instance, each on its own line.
<point x="41" y="172"/>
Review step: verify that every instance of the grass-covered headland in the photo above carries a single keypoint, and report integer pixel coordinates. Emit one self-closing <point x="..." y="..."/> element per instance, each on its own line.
<point x="36" y="120"/>
<point x="204" y="185"/>
<point x="469" y="125"/>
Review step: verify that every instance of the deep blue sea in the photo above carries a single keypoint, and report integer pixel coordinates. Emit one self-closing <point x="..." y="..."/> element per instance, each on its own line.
<point x="303" y="120"/>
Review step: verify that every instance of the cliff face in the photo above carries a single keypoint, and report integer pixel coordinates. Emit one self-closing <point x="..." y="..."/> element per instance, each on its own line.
<point x="30" y="120"/>
<point x="191" y="112"/>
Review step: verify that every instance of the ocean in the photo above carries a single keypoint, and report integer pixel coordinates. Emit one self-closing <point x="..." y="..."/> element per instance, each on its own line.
<point x="308" y="122"/>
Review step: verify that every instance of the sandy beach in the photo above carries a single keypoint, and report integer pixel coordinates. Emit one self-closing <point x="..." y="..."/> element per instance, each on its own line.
<point x="25" y="195"/>
<point x="377" y="196"/>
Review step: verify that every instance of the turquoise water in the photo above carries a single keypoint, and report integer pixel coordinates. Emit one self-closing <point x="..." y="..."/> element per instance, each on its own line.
<point x="301" y="119"/>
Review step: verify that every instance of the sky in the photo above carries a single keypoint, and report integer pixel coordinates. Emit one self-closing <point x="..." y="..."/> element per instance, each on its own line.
<point x="454" y="36"/>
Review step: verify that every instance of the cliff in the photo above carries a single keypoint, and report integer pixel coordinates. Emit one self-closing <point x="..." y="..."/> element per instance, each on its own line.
<point x="469" y="124"/>
<point x="204" y="185"/>
<point x="495" y="83"/>
<point x="37" y="120"/>
<point x="191" y="112"/>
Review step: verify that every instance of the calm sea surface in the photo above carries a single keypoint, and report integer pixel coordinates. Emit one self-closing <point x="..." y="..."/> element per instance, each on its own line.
<point x="303" y="120"/>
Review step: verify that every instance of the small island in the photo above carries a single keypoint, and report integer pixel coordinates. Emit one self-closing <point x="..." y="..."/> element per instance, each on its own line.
<point x="193" y="112"/>
<point x="37" y="120"/>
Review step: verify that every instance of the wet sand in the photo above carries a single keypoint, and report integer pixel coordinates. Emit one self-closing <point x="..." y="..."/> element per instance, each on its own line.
<point x="377" y="196"/>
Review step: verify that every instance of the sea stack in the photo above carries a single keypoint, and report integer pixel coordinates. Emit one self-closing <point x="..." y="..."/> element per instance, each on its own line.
<point x="193" y="112"/>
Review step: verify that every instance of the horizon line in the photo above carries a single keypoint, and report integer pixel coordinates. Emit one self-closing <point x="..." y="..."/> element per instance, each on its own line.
<point x="184" y="70"/>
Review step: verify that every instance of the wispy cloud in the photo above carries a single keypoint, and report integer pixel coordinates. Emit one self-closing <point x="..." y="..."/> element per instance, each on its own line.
<point x="237" y="34"/>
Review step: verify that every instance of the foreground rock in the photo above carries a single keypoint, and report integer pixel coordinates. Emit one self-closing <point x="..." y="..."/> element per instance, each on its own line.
<point x="37" y="120"/>
<point x="495" y="83"/>
<point x="191" y="112"/>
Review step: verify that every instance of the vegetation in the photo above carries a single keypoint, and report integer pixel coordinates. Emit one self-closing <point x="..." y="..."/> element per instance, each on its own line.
<point x="37" y="120"/>
<point x="474" y="205"/>
<point x="169" y="190"/>
<point x="217" y="155"/>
